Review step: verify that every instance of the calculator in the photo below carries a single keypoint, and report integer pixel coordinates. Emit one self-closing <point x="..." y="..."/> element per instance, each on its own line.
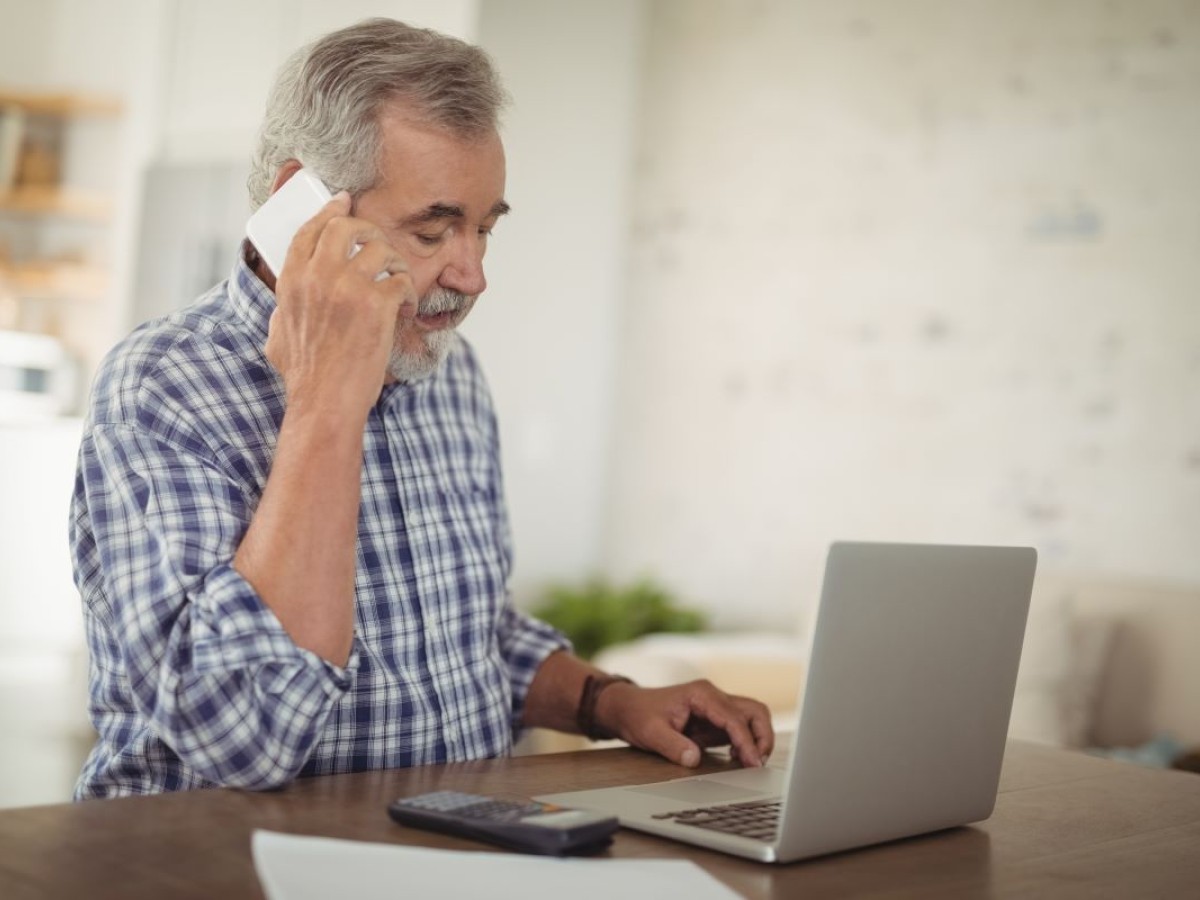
<point x="524" y="825"/>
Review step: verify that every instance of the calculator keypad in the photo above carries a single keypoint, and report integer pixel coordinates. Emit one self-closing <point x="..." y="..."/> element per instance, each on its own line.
<point x="471" y="806"/>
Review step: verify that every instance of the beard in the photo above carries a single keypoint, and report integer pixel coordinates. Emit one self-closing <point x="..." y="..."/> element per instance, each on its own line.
<point x="414" y="365"/>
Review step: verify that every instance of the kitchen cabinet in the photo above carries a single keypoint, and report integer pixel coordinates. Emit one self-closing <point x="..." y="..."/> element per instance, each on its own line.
<point x="54" y="230"/>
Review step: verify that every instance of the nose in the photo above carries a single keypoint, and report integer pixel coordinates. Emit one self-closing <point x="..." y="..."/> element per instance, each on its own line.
<point x="464" y="272"/>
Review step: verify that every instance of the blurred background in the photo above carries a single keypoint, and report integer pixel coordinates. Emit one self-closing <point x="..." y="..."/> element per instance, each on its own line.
<point x="778" y="273"/>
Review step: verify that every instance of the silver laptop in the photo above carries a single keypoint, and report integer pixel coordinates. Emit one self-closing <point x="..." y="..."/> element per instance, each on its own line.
<point x="903" y="715"/>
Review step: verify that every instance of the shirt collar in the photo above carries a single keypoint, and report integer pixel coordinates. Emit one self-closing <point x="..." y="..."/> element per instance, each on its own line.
<point x="252" y="300"/>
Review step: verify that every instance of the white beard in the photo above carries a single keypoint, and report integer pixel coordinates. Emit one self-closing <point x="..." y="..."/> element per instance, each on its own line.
<point x="414" y="366"/>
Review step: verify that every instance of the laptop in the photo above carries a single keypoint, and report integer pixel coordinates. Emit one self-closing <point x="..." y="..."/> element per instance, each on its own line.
<point x="903" y="715"/>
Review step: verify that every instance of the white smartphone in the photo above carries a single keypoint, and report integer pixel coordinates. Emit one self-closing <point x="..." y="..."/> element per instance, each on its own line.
<point x="276" y="222"/>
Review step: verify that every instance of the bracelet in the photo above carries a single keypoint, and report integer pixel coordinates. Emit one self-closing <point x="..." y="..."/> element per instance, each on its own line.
<point x="585" y="716"/>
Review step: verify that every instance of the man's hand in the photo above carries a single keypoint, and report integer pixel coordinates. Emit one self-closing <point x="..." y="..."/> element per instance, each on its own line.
<point x="332" y="333"/>
<point x="679" y="722"/>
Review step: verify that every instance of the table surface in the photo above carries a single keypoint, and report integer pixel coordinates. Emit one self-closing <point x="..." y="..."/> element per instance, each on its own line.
<point x="1065" y="825"/>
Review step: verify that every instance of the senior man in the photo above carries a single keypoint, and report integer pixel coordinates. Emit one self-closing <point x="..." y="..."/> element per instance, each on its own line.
<point x="288" y="527"/>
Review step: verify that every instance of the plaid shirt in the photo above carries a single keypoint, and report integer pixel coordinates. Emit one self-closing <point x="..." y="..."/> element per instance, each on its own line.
<point x="193" y="681"/>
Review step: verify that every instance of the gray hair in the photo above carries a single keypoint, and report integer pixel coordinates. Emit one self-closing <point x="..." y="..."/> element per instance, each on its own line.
<point x="324" y="107"/>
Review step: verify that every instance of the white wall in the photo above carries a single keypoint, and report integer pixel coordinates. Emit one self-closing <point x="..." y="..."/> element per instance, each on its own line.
<point x="546" y="327"/>
<point x="220" y="58"/>
<point x="920" y="270"/>
<point x="24" y="40"/>
<point x="42" y="692"/>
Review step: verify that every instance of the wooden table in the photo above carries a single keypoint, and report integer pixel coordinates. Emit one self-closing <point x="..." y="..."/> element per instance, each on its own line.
<point x="1066" y="825"/>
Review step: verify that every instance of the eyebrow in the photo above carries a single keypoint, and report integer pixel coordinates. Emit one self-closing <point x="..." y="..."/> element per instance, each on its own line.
<point x="436" y="211"/>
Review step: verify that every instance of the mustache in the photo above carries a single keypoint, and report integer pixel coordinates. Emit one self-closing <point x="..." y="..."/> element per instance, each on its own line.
<point x="441" y="300"/>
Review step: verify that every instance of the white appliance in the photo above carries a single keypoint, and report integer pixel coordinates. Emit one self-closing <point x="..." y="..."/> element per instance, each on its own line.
<point x="39" y="379"/>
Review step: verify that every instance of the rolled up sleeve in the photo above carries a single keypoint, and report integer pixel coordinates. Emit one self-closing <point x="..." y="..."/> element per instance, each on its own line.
<point x="209" y="666"/>
<point x="525" y="642"/>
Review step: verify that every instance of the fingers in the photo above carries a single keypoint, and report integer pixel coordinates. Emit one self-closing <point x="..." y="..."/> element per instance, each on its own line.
<point x="376" y="260"/>
<point x="704" y="733"/>
<point x="358" y="248"/>
<point x="333" y="241"/>
<point x="760" y="725"/>
<point x="338" y="239"/>
<point x="720" y="712"/>
<point x="724" y="712"/>
<point x="665" y="740"/>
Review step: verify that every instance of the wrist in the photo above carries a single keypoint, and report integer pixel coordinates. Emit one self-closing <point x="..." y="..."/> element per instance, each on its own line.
<point x="599" y="704"/>
<point x="325" y="412"/>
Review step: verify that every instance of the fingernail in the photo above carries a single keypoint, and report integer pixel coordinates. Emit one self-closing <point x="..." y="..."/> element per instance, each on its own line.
<point x="342" y="196"/>
<point x="691" y="757"/>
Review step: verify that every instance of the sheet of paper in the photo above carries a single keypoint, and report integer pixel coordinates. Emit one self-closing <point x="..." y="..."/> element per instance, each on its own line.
<point x="309" y="868"/>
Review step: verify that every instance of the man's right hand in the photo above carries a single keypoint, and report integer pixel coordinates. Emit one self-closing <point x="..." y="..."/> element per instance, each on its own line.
<point x="334" y="327"/>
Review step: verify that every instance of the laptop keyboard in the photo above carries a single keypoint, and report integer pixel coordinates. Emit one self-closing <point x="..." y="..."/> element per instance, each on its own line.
<point x="757" y="820"/>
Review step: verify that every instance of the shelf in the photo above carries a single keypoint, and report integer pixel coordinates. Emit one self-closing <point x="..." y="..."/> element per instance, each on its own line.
<point x="55" y="201"/>
<point x="62" y="105"/>
<point x="53" y="281"/>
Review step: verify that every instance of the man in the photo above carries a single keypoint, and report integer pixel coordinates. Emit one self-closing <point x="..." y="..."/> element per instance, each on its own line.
<point x="288" y="525"/>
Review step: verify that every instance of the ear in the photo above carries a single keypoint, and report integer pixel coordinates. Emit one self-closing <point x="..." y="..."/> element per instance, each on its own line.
<point x="286" y="171"/>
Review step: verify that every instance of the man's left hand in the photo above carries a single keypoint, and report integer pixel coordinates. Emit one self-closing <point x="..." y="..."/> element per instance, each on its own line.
<point x="679" y="722"/>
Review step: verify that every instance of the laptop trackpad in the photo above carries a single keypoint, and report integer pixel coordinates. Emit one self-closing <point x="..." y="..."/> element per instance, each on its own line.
<point x="697" y="790"/>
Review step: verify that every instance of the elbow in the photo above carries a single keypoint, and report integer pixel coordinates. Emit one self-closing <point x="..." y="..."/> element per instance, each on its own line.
<point x="249" y="746"/>
<point x="263" y="776"/>
<point x="251" y="767"/>
<point x="252" y="727"/>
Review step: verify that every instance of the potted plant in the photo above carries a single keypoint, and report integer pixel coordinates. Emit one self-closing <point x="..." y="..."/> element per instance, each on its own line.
<point x="597" y="614"/>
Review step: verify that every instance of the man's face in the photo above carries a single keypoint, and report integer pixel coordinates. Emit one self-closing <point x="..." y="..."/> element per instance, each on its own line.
<point x="437" y="200"/>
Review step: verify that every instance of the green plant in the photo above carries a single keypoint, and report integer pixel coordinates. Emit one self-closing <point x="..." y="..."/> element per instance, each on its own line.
<point x="597" y="614"/>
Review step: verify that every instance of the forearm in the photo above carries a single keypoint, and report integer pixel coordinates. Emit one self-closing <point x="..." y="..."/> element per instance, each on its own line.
<point x="299" y="551"/>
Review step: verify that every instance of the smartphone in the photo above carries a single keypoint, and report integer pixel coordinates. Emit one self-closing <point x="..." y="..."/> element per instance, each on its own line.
<point x="276" y="222"/>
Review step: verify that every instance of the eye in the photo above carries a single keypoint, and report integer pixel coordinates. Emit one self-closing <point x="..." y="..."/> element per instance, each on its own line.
<point x="429" y="240"/>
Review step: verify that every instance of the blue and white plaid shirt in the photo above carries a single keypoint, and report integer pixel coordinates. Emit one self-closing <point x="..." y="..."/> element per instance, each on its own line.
<point x="193" y="680"/>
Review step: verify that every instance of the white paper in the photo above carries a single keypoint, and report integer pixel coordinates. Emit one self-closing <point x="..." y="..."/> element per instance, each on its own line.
<point x="311" y="868"/>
